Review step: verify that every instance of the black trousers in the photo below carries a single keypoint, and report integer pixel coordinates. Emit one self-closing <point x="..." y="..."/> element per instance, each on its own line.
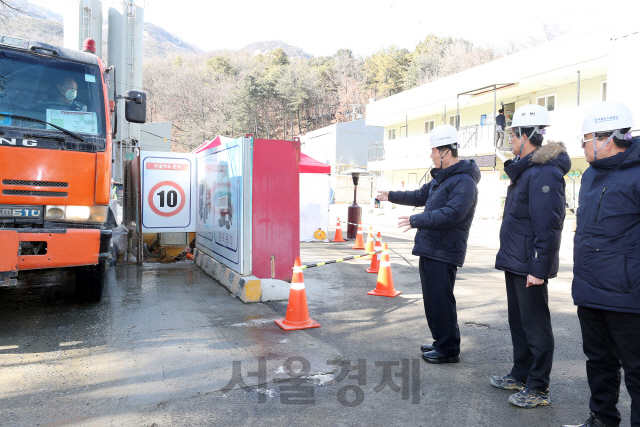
<point x="531" y="334"/>
<point x="611" y="340"/>
<point x="438" y="279"/>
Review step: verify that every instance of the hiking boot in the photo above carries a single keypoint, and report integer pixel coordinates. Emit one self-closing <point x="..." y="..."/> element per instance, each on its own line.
<point x="591" y="422"/>
<point x="506" y="383"/>
<point x="527" y="398"/>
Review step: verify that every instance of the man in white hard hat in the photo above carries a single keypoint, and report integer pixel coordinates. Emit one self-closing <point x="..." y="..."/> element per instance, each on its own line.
<point x="530" y="235"/>
<point x="606" y="271"/>
<point x="449" y="201"/>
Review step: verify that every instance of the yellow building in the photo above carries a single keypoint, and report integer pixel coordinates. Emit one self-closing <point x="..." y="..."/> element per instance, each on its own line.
<point x="566" y="76"/>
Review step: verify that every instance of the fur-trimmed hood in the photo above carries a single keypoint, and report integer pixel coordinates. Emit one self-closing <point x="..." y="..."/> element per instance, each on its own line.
<point x="550" y="151"/>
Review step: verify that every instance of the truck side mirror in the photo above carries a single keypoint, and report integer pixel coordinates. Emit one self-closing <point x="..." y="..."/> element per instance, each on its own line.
<point x="135" y="108"/>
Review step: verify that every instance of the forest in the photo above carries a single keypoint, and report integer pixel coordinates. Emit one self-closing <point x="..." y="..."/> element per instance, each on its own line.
<point x="271" y="95"/>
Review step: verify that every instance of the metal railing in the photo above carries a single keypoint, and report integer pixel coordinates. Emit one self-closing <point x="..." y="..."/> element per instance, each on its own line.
<point x="468" y="135"/>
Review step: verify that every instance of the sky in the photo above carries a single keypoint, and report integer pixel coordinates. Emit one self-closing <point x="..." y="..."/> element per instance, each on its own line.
<point x="322" y="27"/>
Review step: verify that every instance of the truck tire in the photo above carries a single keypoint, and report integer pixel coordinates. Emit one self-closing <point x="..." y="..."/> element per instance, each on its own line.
<point x="90" y="282"/>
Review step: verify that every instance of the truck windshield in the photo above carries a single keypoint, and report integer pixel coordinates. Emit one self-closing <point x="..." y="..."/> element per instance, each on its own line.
<point x="67" y="94"/>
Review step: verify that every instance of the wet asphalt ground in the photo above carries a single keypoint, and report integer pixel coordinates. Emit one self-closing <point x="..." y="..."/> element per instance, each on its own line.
<point x="161" y="348"/>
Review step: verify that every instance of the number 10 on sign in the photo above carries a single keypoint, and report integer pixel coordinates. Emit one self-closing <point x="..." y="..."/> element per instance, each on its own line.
<point x="166" y="198"/>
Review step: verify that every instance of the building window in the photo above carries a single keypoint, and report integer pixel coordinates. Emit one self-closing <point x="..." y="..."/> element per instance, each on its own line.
<point x="604" y="90"/>
<point x="429" y="125"/>
<point x="392" y="134"/>
<point x="548" y="101"/>
<point x="453" y="122"/>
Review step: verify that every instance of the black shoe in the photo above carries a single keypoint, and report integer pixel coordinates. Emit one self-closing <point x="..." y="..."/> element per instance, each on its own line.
<point x="426" y="348"/>
<point x="437" y="357"/>
<point x="591" y="422"/>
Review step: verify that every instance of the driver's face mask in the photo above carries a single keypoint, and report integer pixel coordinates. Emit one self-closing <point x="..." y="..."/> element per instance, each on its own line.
<point x="71" y="94"/>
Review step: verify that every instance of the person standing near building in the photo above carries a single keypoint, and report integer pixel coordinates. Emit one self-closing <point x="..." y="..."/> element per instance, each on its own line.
<point x="501" y="122"/>
<point x="606" y="271"/>
<point x="449" y="201"/>
<point x="529" y="252"/>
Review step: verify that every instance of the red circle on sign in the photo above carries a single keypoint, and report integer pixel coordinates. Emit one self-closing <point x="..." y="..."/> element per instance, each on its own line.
<point x="170" y="184"/>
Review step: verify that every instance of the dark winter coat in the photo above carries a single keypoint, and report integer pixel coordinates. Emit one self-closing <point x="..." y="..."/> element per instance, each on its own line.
<point x="449" y="201"/>
<point x="606" y="270"/>
<point x="534" y="212"/>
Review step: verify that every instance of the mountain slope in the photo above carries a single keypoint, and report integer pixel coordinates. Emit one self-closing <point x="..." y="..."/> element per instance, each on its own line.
<point x="160" y="42"/>
<point x="46" y="26"/>
<point x="32" y="28"/>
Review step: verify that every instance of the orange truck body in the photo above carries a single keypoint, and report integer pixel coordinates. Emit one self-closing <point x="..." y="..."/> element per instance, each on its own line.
<point x="38" y="177"/>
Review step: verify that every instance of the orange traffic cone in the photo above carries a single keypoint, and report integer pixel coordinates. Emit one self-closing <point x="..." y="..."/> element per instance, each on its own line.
<point x="375" y="259"/>
<point x="339" y="237"/>
<point x="384" y="287"/>
<point x="370" y="243"/>
<point x="297" y="316"/>
<point x="359" y="241"/>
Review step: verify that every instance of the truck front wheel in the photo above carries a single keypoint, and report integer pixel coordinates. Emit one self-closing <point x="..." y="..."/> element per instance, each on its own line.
<point x="90" y="282"/>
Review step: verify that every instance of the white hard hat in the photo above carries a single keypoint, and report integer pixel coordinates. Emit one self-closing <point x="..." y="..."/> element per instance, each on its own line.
<point x="444" y="135"/>
<point x="607" y="116"/>
<point x="531" y="115"/>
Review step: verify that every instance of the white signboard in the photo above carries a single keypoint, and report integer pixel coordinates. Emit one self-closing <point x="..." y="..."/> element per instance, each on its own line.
<point x="75" y="121"/>
<point x="167" y="192"/>
<point x="221" y="203"/>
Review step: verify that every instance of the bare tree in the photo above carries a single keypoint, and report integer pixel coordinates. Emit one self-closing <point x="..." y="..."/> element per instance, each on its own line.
<point x="10" y="9"/>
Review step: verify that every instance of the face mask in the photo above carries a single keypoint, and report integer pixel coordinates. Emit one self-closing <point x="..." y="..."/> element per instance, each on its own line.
<point x="71" y="94"/>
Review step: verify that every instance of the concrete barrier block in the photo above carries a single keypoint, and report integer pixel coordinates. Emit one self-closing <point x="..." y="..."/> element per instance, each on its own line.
<point x="274" y="290"/>
<point x="251" y="291"/>
<point x="215" y="271"/>
<point x="235" y="285"/>
<point x="197" y="257"/>
<point x="247" y="288"/>
<point x="208" y="266"/>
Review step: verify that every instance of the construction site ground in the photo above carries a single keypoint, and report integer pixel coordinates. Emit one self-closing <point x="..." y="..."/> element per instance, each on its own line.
<point x="161" y="347"/>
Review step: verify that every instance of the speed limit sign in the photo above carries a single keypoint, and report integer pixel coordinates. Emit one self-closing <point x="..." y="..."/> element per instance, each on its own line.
<point x="166" y="192"/>
<point x="166" y="198"/>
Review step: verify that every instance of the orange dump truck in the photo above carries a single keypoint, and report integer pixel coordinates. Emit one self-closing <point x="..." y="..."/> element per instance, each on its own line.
<point x="55" y="161"/>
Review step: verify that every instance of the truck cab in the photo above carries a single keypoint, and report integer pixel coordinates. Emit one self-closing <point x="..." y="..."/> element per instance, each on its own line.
<point x="55" y="162"/>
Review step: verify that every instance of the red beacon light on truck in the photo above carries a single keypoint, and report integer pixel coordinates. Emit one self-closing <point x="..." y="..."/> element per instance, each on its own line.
<point x="89" y="46"/>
